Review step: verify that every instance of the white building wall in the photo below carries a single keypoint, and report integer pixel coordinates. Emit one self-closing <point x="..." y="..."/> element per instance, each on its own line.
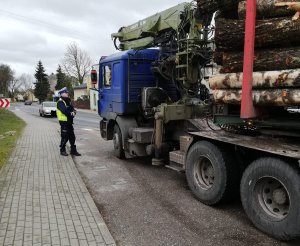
<point x="94" y="97"/>
<point x="79" y="93"/>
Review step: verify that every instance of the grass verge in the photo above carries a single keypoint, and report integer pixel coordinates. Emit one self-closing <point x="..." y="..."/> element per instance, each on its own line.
<point x="10" y="129"/>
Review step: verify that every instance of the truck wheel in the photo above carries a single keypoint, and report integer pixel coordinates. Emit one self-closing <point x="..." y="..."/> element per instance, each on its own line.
<point x="211" y="173"/>
<point x="270" y="196"/>
<point x="118" y="143"/>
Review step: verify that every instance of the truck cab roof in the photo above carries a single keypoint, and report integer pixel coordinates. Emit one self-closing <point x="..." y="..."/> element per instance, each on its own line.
<point x="150" y="54"/>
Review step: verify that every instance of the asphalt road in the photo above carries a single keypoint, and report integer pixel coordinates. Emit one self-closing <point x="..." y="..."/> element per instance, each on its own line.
<point x="84" y="119"/>
<point x="146" y="205"/>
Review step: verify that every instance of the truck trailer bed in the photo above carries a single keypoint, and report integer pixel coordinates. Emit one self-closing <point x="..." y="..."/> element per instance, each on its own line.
<point x="288" y="147"/>
<point x="279" y="146"/>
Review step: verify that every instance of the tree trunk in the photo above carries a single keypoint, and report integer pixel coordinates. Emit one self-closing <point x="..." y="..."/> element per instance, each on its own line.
<point x="218" y="57"/>
<point x="228" y="8"/>
<point x="264" y="60"/>
<point x="261" y="80"/>
<point x="276" y="32"/>
<point x="265" y="9"/>
<point x="260" y="97"/>
<point x="212" y="6"/>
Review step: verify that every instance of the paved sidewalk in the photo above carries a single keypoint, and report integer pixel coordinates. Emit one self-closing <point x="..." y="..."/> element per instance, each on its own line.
<point x="43" y="200"/>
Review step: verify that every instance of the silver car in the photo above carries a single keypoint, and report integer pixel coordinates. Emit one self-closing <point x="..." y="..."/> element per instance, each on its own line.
<point x="48" y="109"/>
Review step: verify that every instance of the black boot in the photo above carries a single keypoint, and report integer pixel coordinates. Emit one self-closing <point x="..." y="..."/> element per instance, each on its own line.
<point x="63" y="151"/>
<point x="74" y="151"/>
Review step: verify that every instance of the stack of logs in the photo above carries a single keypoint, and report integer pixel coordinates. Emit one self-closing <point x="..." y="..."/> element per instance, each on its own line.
<point x="276" y="77"/>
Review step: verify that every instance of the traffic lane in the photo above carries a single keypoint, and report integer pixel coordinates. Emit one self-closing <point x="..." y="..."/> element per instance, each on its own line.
<point x="86" y="120"/>
<point x="146" y="205"/>
<point x="32" y="109"/>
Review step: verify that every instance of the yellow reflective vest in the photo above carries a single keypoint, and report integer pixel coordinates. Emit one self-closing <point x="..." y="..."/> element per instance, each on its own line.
<point x="59" y="114"/>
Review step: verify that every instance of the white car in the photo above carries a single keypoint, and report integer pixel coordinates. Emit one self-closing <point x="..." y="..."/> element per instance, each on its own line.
<point x="48" y="109"/>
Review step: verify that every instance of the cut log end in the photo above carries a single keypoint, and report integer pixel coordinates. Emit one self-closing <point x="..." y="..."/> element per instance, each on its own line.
<point x="280" y="98"/>
<point x="261" y="80"/>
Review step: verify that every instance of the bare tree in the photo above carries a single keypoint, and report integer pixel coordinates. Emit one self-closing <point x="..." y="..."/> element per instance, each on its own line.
<point x="26" y="81"/>
<point x="76" y="62"/>
<point x="14" y="85"/>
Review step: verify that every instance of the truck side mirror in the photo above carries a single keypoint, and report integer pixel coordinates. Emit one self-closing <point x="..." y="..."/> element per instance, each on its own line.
<point x="94" y="78"/>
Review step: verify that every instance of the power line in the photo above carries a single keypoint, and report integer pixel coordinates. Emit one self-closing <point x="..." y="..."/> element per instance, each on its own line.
<point x="49" y="26"/>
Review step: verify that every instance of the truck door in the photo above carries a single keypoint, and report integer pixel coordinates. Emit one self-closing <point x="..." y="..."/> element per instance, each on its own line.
<point x="105" y="98"/>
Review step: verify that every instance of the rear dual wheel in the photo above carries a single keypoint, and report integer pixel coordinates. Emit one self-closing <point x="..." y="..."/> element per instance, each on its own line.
<point x="270" y="194"/>
<point x="211" y="173"/>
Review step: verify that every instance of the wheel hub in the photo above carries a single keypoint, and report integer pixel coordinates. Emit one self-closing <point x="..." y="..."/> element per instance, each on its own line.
<point x="205" y="173"/>
<point x="280" y="197"/>
<point x="273" y="197"/>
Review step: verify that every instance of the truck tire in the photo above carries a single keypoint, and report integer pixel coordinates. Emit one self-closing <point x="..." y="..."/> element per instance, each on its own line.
<point x="118" y="143"/>
<point x="211" y="173"/>
<point x="270" y="196"/>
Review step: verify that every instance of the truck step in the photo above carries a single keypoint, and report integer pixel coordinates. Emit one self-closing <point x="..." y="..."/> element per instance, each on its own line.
<point x="175" y="166"/>
<point x="184" y="142"/>
<point x="177" y="159"/>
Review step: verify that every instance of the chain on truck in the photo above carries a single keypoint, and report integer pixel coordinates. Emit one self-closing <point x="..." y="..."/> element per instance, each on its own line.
<point x="157" y="98"/>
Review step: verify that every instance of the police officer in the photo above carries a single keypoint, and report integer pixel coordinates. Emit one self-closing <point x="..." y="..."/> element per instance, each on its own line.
<point x="65" y="113"/>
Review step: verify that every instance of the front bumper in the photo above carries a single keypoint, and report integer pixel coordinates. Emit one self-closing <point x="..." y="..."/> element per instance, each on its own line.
<point x="50" y="113"/>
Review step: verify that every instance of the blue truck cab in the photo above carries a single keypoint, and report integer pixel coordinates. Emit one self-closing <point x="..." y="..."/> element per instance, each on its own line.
<point x="129" y="91"/>
<point x="121" y="78"/>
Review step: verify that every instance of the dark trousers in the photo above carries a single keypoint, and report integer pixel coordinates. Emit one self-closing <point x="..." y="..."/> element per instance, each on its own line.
<point x="67" y="134"/>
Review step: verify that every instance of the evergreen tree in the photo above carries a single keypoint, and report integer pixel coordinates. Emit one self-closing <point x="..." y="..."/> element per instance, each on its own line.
<point x="42" y="86"/>
<point x="61" y="79"/>
<point x="69" y="85"/>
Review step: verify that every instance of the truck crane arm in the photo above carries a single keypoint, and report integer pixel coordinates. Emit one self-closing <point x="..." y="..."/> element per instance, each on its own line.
<point x="183" y="35"/>
<point x="158" y="29"/>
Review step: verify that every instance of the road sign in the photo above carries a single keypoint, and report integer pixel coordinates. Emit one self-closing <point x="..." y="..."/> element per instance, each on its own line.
<point x="4" y="103"/>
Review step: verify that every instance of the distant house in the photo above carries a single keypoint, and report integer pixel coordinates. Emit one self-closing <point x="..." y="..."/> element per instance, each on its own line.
<point x="94" y="94"/>
<point x="19" y="98"/>
<point x="87" y="90"/>
<point x="29" y="94"/>
<point x="80" y="92"/>
<point x="81" y="97"/>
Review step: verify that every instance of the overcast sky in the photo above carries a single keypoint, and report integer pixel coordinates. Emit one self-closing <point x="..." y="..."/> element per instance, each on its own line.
<point x="32" y="30"/>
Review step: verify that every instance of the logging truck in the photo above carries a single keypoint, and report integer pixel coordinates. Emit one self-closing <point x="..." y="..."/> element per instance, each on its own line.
<point x="232" y="130"/>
